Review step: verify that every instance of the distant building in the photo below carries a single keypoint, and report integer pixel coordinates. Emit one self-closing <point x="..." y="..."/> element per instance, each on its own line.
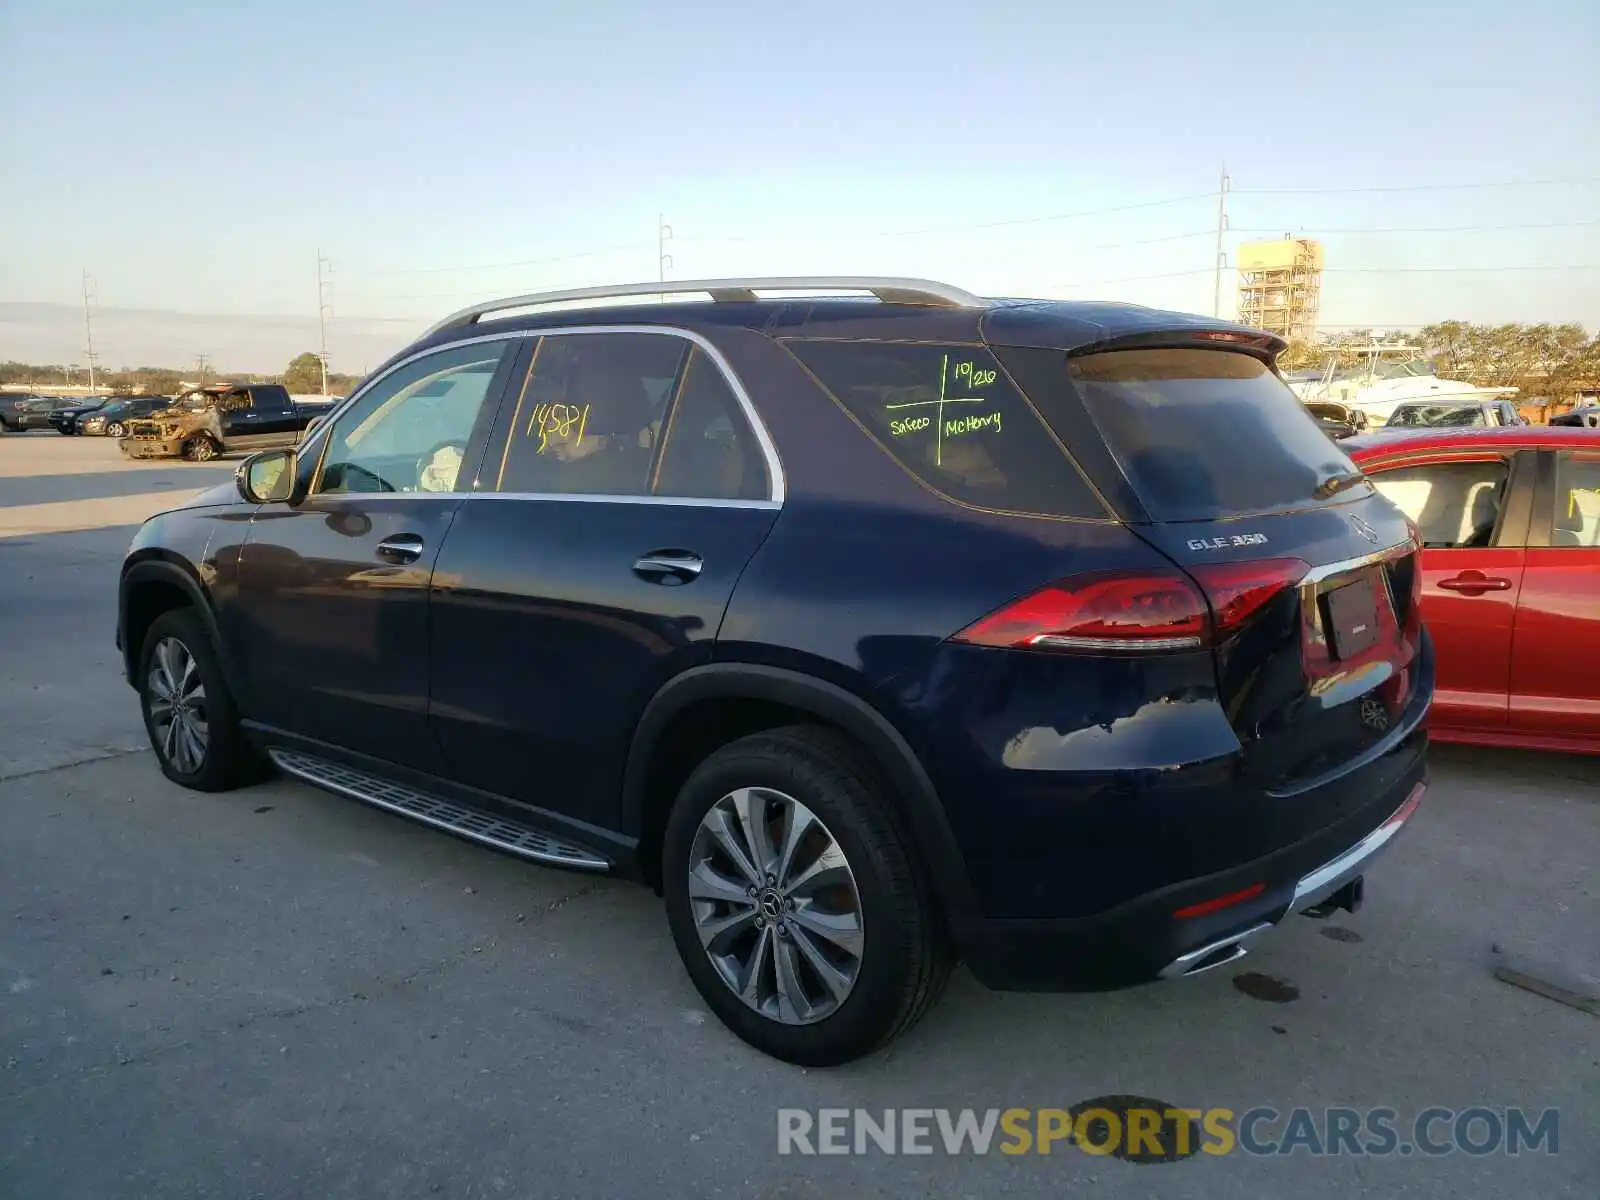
<point x="1280" y="286"/>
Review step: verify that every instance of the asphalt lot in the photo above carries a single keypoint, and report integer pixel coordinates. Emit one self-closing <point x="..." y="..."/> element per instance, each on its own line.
<point x="280" y="993"/>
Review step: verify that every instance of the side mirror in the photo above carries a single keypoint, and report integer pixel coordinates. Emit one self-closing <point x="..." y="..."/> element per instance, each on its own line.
<point x="267" y="478"/>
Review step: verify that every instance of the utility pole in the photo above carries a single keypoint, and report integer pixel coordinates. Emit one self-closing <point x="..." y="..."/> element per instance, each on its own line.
<point x="1222" y="226"/>
<point x="663" y="259"/>
<point x="200" y="362"/>
<point x="323" y="265"/>
<point x="88" y="326"/>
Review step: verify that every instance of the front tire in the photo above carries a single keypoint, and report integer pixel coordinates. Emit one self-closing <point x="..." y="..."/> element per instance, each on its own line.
<point x="199" y="448"/>
<point x="795" y="902"/>
<point x="189" y="713"/>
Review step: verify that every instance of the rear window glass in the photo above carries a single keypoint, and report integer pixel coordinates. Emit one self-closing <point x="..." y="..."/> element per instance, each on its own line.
<point x="949" y="414"/>
<point x="1203" y="434"/>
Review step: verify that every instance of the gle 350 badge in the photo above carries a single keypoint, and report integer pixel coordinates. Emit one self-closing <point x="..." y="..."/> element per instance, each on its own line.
<point x="1228" y="543"/>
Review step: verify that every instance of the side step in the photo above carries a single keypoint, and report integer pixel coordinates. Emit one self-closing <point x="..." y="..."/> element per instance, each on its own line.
<point x="521" y="840"/>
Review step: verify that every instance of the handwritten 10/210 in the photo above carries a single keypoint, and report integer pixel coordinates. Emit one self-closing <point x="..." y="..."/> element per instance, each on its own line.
<point x="968" y="373"/>
<point x="557" y="419"/>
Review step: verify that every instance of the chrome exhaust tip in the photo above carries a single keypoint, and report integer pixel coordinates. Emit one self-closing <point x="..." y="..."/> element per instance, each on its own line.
<point x="1212" y="955"/>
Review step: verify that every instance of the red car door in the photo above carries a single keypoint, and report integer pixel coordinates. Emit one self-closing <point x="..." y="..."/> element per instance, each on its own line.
<point x="1555" y="657"/>
<point x="1472" y="570"/>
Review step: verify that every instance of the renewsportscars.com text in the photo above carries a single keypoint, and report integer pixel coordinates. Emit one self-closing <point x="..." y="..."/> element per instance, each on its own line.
<point x="1171" y="1132"/>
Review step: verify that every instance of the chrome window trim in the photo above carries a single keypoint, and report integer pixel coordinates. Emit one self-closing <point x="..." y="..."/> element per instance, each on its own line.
<point x="776" y="484"/>
<point x="562" y="497"/>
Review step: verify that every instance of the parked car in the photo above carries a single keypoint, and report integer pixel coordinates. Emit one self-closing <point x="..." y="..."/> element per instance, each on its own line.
<point x="1337" y="420"/>
<point x="1510" y="526"/>
<point x="112" y="419"/>
<point x="21" y="413"/>
<point x="65" y="420"/>
<point x="873" y="632"/>
<point x="1586" y="416"/>
<point x="1455" y="414"/>
<point x="206" y="422"/>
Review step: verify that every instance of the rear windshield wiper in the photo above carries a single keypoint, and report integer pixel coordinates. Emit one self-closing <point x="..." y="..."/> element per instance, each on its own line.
<point x="1337" y="483"/>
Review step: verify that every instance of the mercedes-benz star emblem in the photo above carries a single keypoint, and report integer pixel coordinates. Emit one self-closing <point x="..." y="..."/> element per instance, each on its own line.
<point x="1365" y="530"/>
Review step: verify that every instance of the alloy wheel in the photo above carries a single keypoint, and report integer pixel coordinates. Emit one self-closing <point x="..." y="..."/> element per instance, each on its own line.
<point x="179" y="714"/>
<point x="776" y="905"/>
<point x="115" y="429"/>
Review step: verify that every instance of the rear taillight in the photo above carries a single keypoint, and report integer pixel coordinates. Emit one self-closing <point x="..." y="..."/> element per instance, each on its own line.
<point x="1237" y="591"/>
<point x="1143" y="611"/>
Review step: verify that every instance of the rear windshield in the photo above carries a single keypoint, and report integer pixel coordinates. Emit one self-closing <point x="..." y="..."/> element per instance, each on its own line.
<point x="1203" y="434"/>
<point x="950" y="415"/>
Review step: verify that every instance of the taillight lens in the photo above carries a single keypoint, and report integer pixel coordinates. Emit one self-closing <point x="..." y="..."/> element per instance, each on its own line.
<point x="1143" y="611"/>
<point x="1237" y="591"/>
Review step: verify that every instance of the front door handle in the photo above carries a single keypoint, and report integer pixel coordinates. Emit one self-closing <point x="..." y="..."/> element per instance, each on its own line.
<point x="669" y="566"/>
<point x="402" y="547"/>
<point x="1475" y="583"/>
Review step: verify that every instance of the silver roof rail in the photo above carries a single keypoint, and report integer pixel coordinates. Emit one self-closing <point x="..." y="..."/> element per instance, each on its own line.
<point x="889" y="289"/>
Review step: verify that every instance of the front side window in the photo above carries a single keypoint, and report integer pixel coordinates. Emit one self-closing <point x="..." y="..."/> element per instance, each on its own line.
<point x="1577" y="515"/>
<point x="589" y="414"/>
<point x="952" y="417"/>
<point x="1456" y="505"/>
<point x="410" y="431"/>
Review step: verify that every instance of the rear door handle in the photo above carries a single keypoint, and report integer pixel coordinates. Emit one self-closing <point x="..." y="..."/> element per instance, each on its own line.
<point x="1475" y="583"/>
<point x="402" y="547"/>
<point x="669" y="566"/>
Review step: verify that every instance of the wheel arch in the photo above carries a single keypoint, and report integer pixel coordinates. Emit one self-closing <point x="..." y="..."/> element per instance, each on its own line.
<point x="157" y="585"/>
<point x="644" y="807"/>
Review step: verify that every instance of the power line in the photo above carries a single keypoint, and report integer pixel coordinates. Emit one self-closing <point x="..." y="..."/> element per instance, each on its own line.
<point x="1319" y="231"/>
<point x="1413" y="187"/>
<point x="1482" y="270"/>
<point x="524" y="262"/>
<point x="1137" y="278"/>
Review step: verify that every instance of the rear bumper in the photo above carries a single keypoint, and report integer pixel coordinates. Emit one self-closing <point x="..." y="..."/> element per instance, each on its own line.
<point x="1147" y="939"/>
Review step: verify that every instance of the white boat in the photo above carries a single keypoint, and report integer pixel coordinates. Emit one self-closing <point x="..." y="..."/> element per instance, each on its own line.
<point x="1377" y="387"/>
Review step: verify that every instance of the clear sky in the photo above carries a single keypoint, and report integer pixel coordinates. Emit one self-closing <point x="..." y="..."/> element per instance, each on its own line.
<point x="194" y="156"/>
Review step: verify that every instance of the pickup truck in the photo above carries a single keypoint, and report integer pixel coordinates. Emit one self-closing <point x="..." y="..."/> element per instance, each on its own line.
<point x="206" y="422"/>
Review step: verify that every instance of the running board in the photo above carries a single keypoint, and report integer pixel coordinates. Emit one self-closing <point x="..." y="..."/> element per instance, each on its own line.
<point x="521" y="840"/>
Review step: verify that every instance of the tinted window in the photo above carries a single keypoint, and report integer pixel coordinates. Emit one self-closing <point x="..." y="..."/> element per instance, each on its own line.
<point x="1455" y="504"/>
<point x="708" y="449"/>
<point x="409" y="432"/>
<point x="1577" y="515"/>
<point x="589" y="414"/>
<point x="951" y="416"/>
<point x="1202" y="434"/>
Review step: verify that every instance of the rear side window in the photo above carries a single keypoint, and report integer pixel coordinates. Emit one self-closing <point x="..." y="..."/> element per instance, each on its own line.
<point x="1456" y="505"/>
<point x="1203" y="434"/>
<point x="708" y="450"/>
<point x="950" y="416"/>
<point x="1577" y="516"/>
<point x="590" y="411"/>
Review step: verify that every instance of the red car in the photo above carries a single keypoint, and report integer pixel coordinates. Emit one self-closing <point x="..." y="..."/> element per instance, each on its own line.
<point x="1510" y="526"/>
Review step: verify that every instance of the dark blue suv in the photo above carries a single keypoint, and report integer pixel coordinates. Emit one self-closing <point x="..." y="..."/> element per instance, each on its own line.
<point x="876" y="631"/>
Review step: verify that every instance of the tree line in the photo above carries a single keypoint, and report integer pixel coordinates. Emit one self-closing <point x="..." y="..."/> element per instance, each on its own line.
<point x="1543" y="361"/>
<point x="303" y="376"/>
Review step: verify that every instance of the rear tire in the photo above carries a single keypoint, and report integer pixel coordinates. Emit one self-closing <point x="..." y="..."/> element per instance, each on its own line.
<point x="116" y="430"/>
<point x="199" y="448"/>
<point x="189" y="713"/>
<point x="804" y="996"/>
